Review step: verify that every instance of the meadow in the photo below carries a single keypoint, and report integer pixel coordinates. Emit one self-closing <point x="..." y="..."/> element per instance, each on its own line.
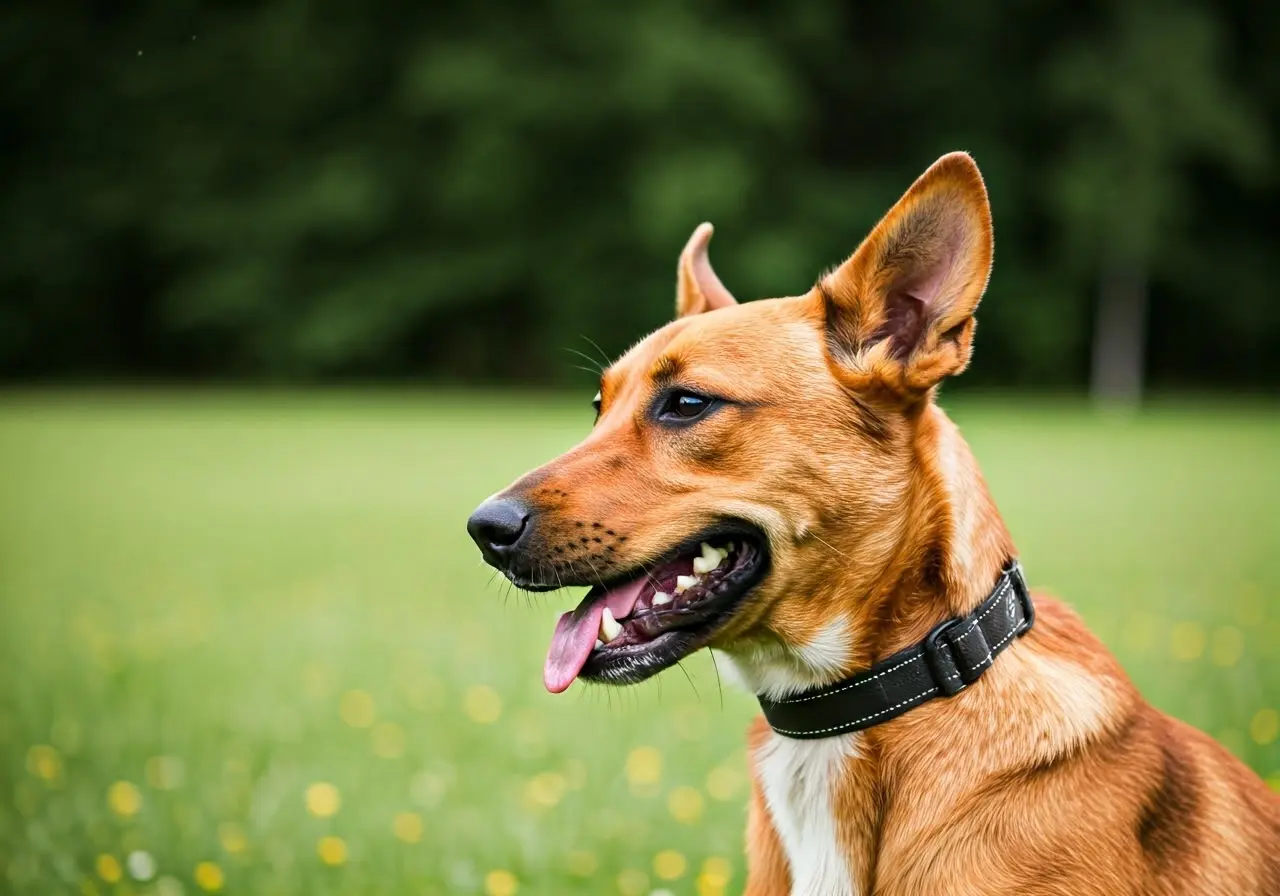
<point x="247" y="647"/>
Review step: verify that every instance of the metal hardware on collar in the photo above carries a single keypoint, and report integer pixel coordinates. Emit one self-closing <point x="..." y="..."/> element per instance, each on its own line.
<point x="953" y="680"/>
<point x="951" y="658"/>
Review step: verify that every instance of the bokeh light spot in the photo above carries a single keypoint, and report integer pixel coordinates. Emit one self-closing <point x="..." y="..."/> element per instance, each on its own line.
<point x="124" y="799"/>
<point x="709" y="886"/>
<point x="168" y="886"/>
<point x="644" y="771"/>
<point x="544" y="790"/>
<point x="685" y="805"/>
<point x="632" y="882"/>
<point x="332" y="850"/>
<point x="718" y="869"/>
<point x="209" y="877"/>
<point x="108" y="868"/>
<point x="323" y="799"/>
<point x="1186" y="641"/>
<point x="500" y="883"/>
<point x="44" y="762"/>
<point x="427" y="789"/>
<point x="482" y="704"/>
<point x="1265" y="726"/>
<point x="407" y="826"/>
<point x="232" y="838"/>
<point x="164" y="772"/>
<point x="141" y="865"/>
<point x="723" y="783"/>
<point x="669" y="864"/>
<point x="356" y="709"/>
<point x="388" y="740"/>
<point x="582" y="863"/>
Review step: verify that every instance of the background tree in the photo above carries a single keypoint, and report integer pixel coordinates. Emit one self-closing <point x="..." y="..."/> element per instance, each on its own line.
<point x="1150" y="97"/>
<point x="459" y="192"/>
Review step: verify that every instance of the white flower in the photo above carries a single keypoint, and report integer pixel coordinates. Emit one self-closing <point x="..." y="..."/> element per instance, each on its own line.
<point x="141" y="865"/>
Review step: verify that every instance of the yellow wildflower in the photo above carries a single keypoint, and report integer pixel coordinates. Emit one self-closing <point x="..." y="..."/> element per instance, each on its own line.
<point x="332" y="850"/>
<point x="124" y="799"/>
<point x="323" y="799"/>
<point x="209" y="877"/>
<point x="108" y="868"/>
<point x="500" y="883"/>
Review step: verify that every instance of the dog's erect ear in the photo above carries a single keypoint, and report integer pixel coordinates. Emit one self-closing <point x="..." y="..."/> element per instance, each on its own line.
<point x="900" y="309"/>
<point x="698" y="289"/>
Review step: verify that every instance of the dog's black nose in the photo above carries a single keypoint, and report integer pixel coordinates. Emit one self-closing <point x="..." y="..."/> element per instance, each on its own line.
<point x="496" y="526"/>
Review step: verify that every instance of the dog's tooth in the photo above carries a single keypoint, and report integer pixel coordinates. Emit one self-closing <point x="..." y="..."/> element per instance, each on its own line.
<point x="599" y="644"/>
<point x="684" y="583"/>
<point x="610" y="628"/>
<point x="660" y="598"/>
<point x="710" y="559"/>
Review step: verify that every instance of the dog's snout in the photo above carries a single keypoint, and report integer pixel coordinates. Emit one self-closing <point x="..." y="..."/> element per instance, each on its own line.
<point x="497" y="526"/>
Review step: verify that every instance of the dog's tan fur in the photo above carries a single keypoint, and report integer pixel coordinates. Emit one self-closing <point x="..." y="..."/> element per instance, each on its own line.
<point x="1050" y="775"/>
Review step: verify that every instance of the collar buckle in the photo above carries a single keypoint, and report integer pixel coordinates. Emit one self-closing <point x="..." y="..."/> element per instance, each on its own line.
<point x="942" y="656"/>
<point x="1024" y="599"/>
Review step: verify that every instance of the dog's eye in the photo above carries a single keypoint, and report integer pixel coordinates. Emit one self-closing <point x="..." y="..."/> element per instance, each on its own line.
<point x="683" y="406"/>
<point x="595" y="403"/>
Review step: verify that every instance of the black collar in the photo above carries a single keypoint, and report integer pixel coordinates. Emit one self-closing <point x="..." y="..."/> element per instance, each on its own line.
<point x="952" y="657"/>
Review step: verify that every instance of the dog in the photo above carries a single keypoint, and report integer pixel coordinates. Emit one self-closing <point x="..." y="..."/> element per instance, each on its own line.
<point x="774" y="480"/>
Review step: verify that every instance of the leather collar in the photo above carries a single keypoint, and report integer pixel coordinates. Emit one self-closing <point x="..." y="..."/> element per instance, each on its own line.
<point x="951" y="658"/>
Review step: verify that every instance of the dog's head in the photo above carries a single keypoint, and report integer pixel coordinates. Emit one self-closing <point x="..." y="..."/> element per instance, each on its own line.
<point x="743" y="451"/>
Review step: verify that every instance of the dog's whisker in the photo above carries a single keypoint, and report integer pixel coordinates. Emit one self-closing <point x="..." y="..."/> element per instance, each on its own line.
<point x="829" y="545"/>
<point x="689" y="679"/>
<point x="719" y="683"/>
<point x="596" y="346"/>
<point x="599" y="371"/>
<point x="594" y="570"/>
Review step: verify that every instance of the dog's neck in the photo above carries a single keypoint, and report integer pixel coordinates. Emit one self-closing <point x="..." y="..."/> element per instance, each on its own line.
<point x="951" y="548"/>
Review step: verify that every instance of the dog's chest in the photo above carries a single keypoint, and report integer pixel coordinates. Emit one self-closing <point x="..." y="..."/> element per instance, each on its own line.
<point x="798" y="778"/>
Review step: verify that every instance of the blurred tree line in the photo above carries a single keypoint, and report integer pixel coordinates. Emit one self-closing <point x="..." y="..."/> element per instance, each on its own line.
<point x="459" y="192"/>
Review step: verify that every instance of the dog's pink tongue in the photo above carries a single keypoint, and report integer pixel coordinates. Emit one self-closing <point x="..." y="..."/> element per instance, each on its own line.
<point x="577" y="630"/>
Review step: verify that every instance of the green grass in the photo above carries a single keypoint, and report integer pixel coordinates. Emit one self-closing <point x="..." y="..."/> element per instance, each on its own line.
<point x="200" y="593"/>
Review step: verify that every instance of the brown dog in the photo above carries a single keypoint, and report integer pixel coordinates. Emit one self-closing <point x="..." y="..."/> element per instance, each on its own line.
<point x="774" y="480"/>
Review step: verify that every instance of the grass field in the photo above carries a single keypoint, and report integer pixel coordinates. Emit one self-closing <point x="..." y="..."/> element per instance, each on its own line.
<point x="246" y="646"/>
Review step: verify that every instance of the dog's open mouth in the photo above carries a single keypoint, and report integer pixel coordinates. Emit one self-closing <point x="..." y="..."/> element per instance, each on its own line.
<point x="640" y="623"/>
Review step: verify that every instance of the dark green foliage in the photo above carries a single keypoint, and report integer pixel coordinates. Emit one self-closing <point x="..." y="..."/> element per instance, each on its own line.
<point x="463" y="191"/>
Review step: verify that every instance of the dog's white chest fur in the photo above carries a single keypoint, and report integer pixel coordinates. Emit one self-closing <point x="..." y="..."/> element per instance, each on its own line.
<point x="797" y="777"/>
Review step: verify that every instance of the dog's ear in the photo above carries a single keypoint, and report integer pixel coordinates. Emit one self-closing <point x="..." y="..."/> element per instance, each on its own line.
<point x="900" y="310"/>
<point x="698" y="289"/>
